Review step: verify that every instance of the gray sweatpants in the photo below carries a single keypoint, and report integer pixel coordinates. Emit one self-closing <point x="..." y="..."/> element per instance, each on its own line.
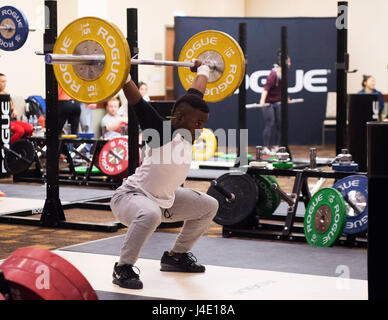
<point x="142" y="216"/>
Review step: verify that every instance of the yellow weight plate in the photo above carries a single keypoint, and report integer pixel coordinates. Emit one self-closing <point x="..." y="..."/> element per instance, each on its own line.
<point x="69" y="136"/>
<point x="215" y="46"/>
<point x="93" y="83"/>
<point x="205" y="147"/>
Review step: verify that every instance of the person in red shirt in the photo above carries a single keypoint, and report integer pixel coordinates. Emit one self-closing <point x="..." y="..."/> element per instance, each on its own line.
<point x="19" y="129"/>
<point x="272" y="95"/>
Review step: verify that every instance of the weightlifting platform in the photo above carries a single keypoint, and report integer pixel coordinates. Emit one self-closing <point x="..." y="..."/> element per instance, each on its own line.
<point x="21" y="197"/>
<point x="235" y="270"/>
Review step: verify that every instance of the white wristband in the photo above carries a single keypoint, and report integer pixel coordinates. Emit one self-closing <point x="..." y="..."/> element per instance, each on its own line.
<point x="129" y="78"/>
<point x="203" y="70"/>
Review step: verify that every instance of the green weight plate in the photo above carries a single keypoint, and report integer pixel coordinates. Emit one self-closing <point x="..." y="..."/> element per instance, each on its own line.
<point x="232" y="156"/>
<point x="83" y="169"/>
<point x="325" y="217"/>
<point x="282" y="165"/>
<point x="269" y="199"/>
<point x="272" y="178"/>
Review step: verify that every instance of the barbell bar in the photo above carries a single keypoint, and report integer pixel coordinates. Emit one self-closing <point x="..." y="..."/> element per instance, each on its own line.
<point x="99" y="58"/>
<point x="257" y="105"/>
<point x="10" y="28"/>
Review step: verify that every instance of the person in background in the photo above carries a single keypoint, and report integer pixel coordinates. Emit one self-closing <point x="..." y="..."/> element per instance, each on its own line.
<point x="143" y="89"/>
<point x="368" y="87"/>
<point x="112" y="122"/>
<point x="86" y="122"/>
<point x="68" y="110"/>
<point x="272" y="95"/>
<point x="19" y="129"/>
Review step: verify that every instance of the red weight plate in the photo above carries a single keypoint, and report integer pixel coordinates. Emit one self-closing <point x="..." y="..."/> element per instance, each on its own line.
<point x="64" y="277"/>
<point x="23" y="282"/>
<point x="64" y="267"/>
<point x="39" y="278"/>
<point x="113" y="157"/>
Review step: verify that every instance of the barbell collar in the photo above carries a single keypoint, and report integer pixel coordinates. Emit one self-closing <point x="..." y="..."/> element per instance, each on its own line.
<point x="117" y="156"/>
<point x="228" y="195"/>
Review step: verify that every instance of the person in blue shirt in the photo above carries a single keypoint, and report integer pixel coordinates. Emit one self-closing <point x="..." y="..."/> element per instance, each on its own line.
<point x="368" y="84"/>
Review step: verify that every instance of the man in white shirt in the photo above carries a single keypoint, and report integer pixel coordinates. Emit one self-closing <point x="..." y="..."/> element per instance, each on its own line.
<point x="153" y="194"/>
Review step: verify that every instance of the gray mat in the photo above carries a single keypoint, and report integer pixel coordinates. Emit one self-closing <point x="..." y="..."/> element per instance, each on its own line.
<point x="65" y="193"/>
<point x="205" y="174"/>
<point x="252" y="254"/>
<point x="283" y="207"/>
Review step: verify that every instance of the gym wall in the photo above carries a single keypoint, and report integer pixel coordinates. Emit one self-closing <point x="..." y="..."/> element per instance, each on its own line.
<point x="311" y="46"/>
<point x="367" y="27"/>
<point x="25" y="71"/>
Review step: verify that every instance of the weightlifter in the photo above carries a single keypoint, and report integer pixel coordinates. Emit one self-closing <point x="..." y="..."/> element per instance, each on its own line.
<point x="153" y="194"/>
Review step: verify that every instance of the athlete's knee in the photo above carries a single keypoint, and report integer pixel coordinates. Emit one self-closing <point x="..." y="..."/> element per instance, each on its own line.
<point x="211" y="205"/>
<point x="150" y="218"/>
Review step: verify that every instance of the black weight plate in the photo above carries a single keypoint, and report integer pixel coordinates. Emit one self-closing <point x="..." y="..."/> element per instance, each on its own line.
<point x="16" y="165"/>
<point x="246" y="194"/>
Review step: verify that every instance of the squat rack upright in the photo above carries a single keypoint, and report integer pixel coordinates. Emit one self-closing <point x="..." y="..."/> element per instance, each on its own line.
<point x="53" y="214"/>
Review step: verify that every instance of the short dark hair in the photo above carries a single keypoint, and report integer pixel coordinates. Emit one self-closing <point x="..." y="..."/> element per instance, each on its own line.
<point x="141" y="83"/>
<point x="279" y="57"/>
<point x="364" y="80"/>
<point x="2" y="75"/>
<point x="194" y="100"/>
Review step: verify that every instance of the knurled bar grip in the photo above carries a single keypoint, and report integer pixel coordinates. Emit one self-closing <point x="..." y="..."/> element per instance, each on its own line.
<point x="228" y="195"/>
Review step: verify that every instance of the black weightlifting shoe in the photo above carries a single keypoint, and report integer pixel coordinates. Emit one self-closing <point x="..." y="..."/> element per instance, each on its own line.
<point x="180" y="262"/>
<point x="125" y="277"/>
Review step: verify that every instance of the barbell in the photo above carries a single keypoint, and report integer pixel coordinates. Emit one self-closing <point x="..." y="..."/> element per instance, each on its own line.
<point x="91" y="61"/>
<point x="257" y="105"/>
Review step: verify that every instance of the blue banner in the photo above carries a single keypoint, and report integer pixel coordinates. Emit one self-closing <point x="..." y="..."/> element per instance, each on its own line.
<point x="312" y="49"/>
